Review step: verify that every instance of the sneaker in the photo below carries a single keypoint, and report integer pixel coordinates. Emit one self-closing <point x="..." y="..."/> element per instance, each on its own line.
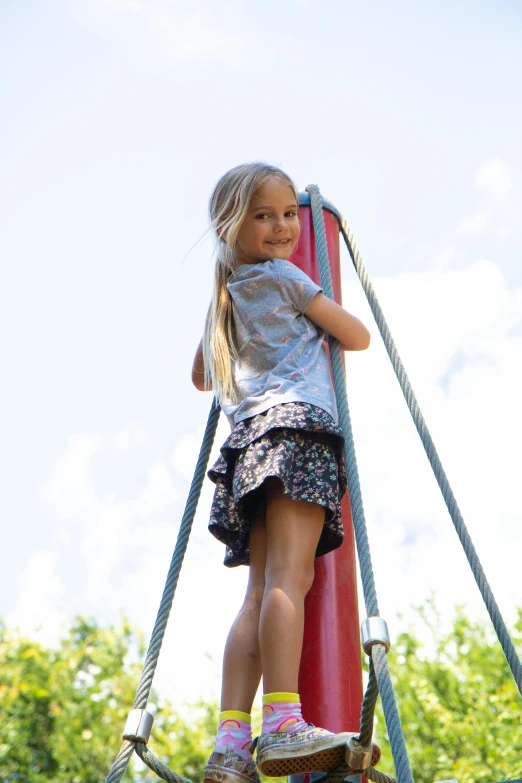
<point x="281" y="753"/>
<point x="225" y="766"/>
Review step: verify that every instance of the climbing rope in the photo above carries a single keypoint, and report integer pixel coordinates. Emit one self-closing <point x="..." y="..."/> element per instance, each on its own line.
<point x="158" y="633"/>
<point x="378" y="652"/>
<point x="378" y="777"/>
<point x="368" y="707"/>
<point x="465" y="539"/>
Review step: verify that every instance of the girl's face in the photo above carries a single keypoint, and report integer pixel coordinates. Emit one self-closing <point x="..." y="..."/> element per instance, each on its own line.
<point x="271" y="226"/>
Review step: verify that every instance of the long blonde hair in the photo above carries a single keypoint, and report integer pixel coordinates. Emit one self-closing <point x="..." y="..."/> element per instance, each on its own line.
<point x="228" y="207"/>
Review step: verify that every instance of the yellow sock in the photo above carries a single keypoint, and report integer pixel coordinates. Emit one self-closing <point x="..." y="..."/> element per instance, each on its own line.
<point x="289" y="698"/>
<point x="234" y="715"/>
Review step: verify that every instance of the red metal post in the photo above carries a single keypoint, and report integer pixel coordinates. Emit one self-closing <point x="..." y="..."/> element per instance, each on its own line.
<point x="330" y="678"/>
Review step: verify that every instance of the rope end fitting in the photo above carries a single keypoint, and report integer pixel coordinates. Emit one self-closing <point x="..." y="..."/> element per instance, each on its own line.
<point x="358" y="757"/>
<point x="374" y="630"/>
<point x="138" y="726"/>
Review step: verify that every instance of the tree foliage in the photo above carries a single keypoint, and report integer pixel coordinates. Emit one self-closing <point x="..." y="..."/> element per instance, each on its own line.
<point x="459" y="704"/>
<point x="63" y="709"/>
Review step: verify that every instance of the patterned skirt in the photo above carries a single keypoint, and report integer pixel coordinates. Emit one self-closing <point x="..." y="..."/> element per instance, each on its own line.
<point x="298" y="443"/>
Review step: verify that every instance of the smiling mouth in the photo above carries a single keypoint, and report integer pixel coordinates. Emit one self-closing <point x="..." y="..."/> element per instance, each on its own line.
<point x="278" y="241"/>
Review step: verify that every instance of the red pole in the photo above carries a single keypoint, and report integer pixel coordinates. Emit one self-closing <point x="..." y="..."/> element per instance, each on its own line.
<point x="330" y="677"/>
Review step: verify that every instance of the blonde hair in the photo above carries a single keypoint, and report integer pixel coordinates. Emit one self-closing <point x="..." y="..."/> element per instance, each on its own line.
<point x="228" y="207"/>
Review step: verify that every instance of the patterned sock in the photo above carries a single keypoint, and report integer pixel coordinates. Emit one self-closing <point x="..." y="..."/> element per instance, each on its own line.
<point x="282" y="712"/>
<point x="235" y="732"/>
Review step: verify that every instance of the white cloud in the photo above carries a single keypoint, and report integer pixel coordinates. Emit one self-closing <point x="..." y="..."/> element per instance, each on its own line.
<point x="127" y="5"/>
<point x="472" y="225"/>
<point x="126" y="545"/>
<point x="443" y="259"/>
<point x="69" y="488"/>
<point x="159" y="492"/>
<point x="127" y="438"/>
<point x="40" y="607"/>
<point x="493" y="177"/>
<point x="158" y="29"/>
<point x="110" y="524"/>
<point x="185" y="454"/>
<point x="455" y="330"/>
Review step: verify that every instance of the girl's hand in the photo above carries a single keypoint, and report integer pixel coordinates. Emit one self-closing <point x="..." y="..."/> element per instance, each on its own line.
<point x="334" y="319"/>
<point x="198" y="370"/>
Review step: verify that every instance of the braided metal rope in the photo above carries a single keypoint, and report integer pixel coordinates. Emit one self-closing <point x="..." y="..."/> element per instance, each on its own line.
<point x="378" y="777"/>
<point x="158" y="633"/>
<point x="368" y="707"/>
<point x="431" y="452"/>
<point x="361" y="534"/>
<point x="391" y="712"/>
<point x="121" y="762"/>
<point x="157" y="766"/>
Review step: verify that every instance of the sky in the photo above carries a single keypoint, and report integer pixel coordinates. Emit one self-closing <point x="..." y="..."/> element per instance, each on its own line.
<point x="117" y="118"/>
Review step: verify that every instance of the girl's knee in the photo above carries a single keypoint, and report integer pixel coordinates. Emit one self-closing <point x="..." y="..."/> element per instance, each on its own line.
<point x="290" y="576"/>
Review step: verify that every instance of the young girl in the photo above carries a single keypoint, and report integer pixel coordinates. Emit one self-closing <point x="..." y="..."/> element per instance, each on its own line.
<point x="280" y="476"/>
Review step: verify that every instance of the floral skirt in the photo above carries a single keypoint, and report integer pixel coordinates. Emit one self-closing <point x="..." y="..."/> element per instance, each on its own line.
<point x="298" y="443"/>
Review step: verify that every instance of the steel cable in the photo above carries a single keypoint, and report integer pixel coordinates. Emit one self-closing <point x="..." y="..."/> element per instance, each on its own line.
<point x="429" y="446"/>
<point x="158" y="633"/>
<point x="391" y="712"/>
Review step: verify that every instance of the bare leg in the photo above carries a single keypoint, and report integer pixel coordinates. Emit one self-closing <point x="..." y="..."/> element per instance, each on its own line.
<point x="242" y="659"/>
<point x="293" y="529"/>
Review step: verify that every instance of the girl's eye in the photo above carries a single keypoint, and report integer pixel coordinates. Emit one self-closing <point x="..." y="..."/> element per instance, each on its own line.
<point x="264" y="215"/>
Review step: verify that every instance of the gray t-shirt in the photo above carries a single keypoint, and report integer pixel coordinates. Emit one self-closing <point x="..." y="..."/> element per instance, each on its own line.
<point x="281" y="353"/>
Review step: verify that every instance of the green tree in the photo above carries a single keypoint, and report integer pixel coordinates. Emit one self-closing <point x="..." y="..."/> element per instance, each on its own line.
<point x="63" y="710"/>
<point x="459" y="705"/>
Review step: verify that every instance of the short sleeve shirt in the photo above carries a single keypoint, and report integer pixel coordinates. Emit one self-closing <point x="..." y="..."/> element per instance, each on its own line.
<point x="281" y="353"/>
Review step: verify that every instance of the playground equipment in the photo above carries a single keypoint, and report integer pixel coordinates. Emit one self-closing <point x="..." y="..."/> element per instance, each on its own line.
<point x="330" y="678"/>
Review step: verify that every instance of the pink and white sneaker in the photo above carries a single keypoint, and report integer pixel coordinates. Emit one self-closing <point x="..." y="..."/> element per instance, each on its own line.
<point x="281" y="753"/>
<point x="226" y="766"/>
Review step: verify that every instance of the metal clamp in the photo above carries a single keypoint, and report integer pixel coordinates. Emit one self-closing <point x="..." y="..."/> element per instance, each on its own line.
<point x="358" y="757"/>
<point x="138" y="726"/>
<point x="374" y="631"/>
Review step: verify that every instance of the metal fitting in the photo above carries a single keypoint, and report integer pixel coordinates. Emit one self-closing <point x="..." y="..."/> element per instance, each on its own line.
<point x="374" y="631"/>
<point x="138" y="726"/>
<point x="376" y="754"/>
<point x="358" y="757"/>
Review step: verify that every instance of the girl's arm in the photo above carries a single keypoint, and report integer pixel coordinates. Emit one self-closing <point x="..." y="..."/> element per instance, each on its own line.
<point x="198" y="370"/>
<point x="334" y="319"/>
